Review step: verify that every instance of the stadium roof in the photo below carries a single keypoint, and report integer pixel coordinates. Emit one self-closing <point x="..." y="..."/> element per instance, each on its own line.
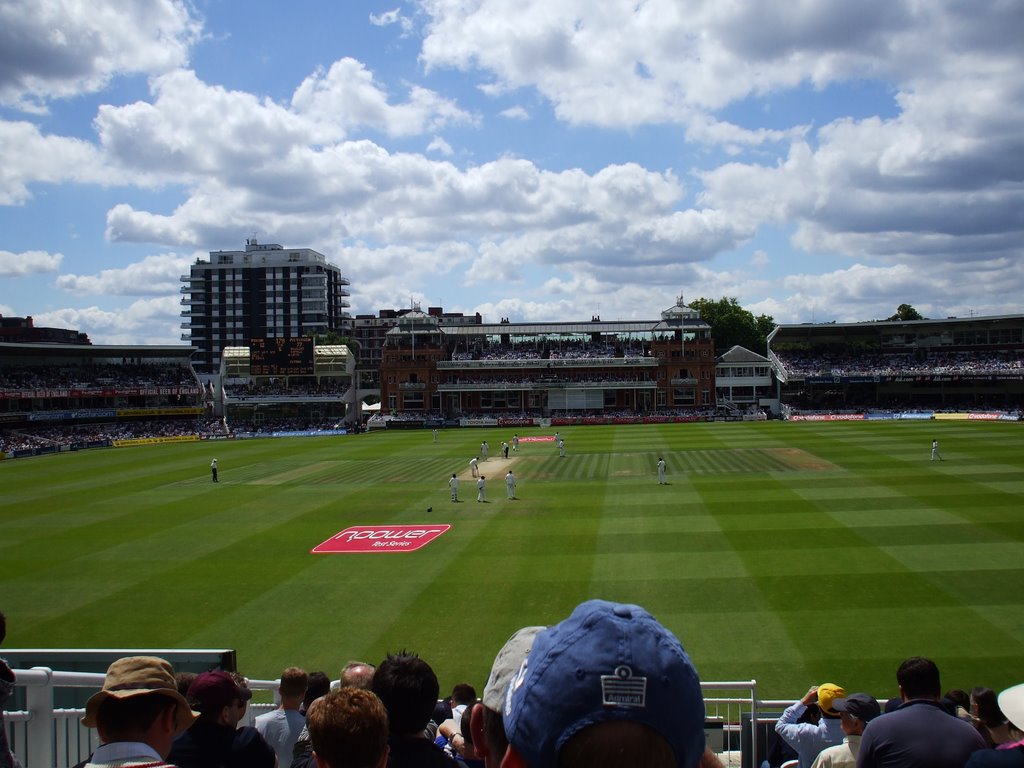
<point x="869" y="326"/>
<point x="331" y="350"/>
<point x="319" y="351"/>
<point x="906" y="323"/>
<point x="95" y="350"/>
<point x="738" y="354"/>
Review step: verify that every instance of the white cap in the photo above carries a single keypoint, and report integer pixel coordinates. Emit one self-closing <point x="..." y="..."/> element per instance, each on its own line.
<point x="1011" y="701"/>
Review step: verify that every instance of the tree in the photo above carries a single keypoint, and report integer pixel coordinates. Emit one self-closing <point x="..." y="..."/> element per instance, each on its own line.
<point x="906" y="312"/>
<point x="731" y="324"/>
<point x="335" y="338"/>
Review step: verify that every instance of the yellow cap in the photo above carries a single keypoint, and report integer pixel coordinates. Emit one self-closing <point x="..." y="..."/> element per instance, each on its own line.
<point x="827" y="693"/>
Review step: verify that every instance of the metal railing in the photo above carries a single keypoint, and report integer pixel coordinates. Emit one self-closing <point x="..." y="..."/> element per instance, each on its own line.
<point x="43" y="736"/>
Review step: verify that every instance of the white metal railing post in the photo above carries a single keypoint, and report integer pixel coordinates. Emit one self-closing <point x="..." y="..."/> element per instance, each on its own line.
<point x="753" y="724"/>
<point x="39" y="738"/>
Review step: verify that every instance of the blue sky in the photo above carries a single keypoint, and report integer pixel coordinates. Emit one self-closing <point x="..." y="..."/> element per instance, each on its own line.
<point x="531" y="160"/>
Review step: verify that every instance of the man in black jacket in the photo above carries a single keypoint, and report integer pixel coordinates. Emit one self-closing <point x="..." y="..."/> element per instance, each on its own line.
<point x="408" y="687"/>
<point x="215" y="739"/>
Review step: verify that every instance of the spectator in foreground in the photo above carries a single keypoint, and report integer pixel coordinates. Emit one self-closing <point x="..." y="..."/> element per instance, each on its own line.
<point x="463" y="696"/>
<point x="1010" y="755"/>
<point x="355" y="674"/>
<point x="183" y="681"/>
<point x="317" y="684"/>
<point x="215" y="738"/>
<point x="989" y="718"/>
<point x="919" y="732"/>
<point x="960" y="702"/>
<point x="808" y="739"/>
<point x="408" y="688"/>
<point x="457" y="740"/>
<point x="137" y="714"/>
<point x="349" y="729"/>
<point x="608" y="687"/>
<point x="488" y="728"/>
<point x="281" y="727"/>
<point x="7" y="759"/>
<point x="855" y="712"/>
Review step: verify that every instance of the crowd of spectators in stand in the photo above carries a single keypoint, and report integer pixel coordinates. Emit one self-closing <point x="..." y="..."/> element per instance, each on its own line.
<point x="839" y="402"/>
<point x="380" y="416"/>
<point x="295" y="424"/>
<point x="807" y="363"/>
<point x="830" y="727"/>
<point x="126" y="375"/>
<point x="580" y="377"/>
<point x="531" y="350"/>
<point x="25" y="439"/>
<point x="63" y="436"/>
<point x="606" y="687"/>
<point x="291" y="387"/>
<point x="704" y="413"/>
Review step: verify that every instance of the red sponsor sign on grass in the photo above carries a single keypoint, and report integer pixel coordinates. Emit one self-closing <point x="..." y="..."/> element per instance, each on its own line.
<point x="381" y="538"/>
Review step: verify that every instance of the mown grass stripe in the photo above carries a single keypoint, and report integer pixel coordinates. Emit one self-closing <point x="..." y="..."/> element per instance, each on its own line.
<point x="764" y="531"/>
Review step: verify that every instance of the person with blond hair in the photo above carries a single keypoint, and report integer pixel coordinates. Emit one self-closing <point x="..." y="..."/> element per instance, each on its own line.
<point x="281" y="727"/>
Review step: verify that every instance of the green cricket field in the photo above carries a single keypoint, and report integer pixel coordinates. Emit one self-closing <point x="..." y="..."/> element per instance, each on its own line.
<point x="788" y="553"/>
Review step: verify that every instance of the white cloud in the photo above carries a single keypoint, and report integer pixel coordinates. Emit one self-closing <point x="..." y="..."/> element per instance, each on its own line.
<point x="154" y="275"/>
<point x="392" y="17"/>
<point x="346" y="97"/>
<point x="872" y="189"/>
<point x="439" y="145"/>
<point x="29" y="263"/>
<point x="492" y="266"/>
<point x="623" y="65"/>
<point x="864" y="292"/>
<point x="192" y="129"/>
<point x="146" y="321"/>
<point x="515" y="113"/>
<point x="378" y="267"/>
<point x="357" y="190"/>
<point x="61" y="48"/>
<point x="29" y="157"/>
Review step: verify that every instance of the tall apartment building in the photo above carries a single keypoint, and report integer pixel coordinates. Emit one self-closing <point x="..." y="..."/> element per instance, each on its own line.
<point x="264" y="291"/>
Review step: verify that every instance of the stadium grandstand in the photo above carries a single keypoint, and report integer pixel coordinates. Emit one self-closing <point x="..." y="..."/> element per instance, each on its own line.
<point x="567" y="371"/>
<point x="296" y="387"/>
<point x="953" y="364"/>
<point x="57" y="397"/>
<point x="70" y="394"/>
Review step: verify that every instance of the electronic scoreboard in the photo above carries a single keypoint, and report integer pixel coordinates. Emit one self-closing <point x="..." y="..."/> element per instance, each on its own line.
<point x="281" y="357"/>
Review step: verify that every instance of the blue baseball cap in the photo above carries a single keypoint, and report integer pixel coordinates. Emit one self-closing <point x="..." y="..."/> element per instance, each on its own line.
<point x="607" y="661"/>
